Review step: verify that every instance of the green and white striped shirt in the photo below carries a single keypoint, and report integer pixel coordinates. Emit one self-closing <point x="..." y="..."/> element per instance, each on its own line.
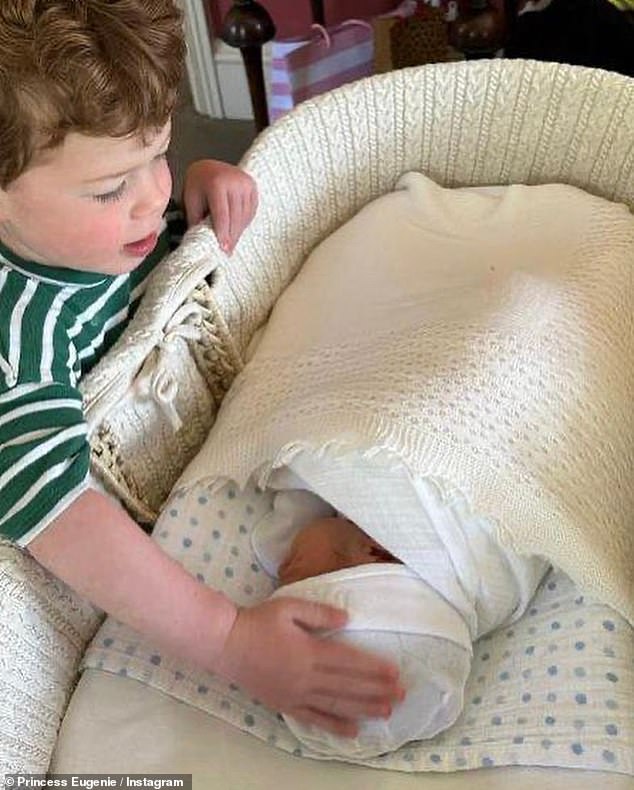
<point x="54" y="325"/>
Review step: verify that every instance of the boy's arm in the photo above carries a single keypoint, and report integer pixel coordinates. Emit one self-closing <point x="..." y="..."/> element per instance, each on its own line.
<point x="270" y="649"/>
<point x="99" y="551"/>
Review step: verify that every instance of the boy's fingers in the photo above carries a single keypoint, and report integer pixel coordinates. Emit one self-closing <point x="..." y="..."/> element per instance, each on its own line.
<point x="247" y="211"/>
<point x="220" y="217"/>
<point x="355" y="674"/>
<point x="243" y="206"/>
<point x="236" y="217"/>
<point x="371" y="687"/>
<point x="349" y="696"/>
<point x="349" y="707"/>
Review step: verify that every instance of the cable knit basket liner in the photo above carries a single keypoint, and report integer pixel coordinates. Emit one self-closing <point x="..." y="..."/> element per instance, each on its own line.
<point x="151" y="400"/>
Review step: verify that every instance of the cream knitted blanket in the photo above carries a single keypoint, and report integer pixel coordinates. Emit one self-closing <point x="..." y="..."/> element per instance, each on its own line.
<point x="481" y="337"/>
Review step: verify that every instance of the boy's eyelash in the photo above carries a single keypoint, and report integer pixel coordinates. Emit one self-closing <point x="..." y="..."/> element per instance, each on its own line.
<point x="109" y="197"/>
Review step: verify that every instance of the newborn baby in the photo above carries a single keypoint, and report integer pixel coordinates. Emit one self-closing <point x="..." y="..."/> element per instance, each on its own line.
<point x="329" y="544"/>
<point x="393" y="613"/>
<point x="422" y="577"/>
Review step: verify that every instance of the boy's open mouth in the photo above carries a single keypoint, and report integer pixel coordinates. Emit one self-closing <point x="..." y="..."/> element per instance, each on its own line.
<point x="142" y="247"/>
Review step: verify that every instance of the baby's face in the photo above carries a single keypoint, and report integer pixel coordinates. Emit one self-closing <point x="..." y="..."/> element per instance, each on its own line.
<point x="326" y="545"/>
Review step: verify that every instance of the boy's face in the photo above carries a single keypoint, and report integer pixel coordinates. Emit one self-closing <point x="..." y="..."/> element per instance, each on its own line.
<point x="93" y="204"/>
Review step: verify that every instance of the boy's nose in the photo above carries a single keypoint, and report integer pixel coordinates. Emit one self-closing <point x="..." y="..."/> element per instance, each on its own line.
<point x="153" y="195"/>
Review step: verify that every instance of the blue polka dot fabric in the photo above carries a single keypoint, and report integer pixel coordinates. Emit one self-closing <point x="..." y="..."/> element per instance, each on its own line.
<point x="555" y="689"/>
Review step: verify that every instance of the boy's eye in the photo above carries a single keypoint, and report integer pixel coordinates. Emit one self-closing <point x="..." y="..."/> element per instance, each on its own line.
<point x="115" y="194"/>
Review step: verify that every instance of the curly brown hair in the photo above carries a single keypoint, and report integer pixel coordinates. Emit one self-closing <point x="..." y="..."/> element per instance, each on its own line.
<point x="105" y="68"/>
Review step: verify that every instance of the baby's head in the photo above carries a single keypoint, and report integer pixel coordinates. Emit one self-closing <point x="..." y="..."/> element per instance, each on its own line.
<point x="87" y="88"/>
<point x="326" y="545"/>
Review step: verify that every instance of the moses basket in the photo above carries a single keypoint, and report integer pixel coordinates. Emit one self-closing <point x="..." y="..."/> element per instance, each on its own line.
<point x="151" y="401"/>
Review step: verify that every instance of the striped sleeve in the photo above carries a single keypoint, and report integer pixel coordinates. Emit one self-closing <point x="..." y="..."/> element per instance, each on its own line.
<point x="44" y="451"/>
<point x="44" y="456"/>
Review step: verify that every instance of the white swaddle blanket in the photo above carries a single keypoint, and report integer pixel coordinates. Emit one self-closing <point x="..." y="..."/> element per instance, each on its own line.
<point x="395" y="614"/>
<point x="458" y="585"/>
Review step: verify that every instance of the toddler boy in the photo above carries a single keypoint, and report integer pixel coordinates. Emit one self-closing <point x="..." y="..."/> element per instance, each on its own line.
<point x="87" y="88"/>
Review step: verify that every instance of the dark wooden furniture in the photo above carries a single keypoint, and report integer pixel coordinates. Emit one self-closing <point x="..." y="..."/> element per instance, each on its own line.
<point x="317" y="7"/>
<point x="248" y="26"/>
<point x="481" y="28"/>
<point x="584" y="32"/>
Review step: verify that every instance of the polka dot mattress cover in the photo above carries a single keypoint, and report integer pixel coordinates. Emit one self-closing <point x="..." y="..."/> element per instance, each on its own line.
<point x="555" y="689"/>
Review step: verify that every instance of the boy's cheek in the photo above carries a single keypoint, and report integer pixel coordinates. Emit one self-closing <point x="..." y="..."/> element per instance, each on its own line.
<point x="163" y="180"/>
<point x="88" y="233"/>
<point x="167" y="181"/>
<point x="87" y="242"/>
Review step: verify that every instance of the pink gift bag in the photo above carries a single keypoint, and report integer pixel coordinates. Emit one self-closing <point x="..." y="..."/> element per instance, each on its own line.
<point x="303" y="68"/>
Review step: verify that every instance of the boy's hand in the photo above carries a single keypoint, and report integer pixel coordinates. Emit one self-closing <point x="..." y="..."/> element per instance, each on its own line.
<point x="271" y="652"/>
<point x="225" y="192"/>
